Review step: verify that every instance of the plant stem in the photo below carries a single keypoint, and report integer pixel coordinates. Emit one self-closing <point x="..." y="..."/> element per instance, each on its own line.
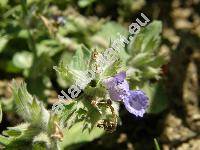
<point x="156" y="144"/>
<point x="31" y="42"/>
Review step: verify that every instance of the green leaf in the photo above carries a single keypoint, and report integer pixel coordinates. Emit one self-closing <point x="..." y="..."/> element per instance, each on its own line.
<point x="147" y="40"/>
<point x="4" y="140"/>
<point x="23" y="60"/>
<point x="156" y="144"/>
<point x="82" y="110"/>
<point x="77" y="136"/>
<point x="11" y="68"/>
<point x="3" y="41"/>
<point x="17" y="130"/>
<point x="98" y="91"/>
<point x="41" y="66"/>
<point x="150" y="72"/>
<point x="22" y="98"/>
<point x="145" y="55"/>
<point x="41" y="142"/>
<point x="93" y="114"/>
<point x="68" y="74"/>
<point x="3" y="3"/>
<point x="29" y="107"/>
<point x="69" y="115"/>
<point x="11" y="133"/>
<point x="112" y="69"/>
<point x="80" y="59"/>
<point x="23" y="132"/>
<point x="18" y="145"/>
<point x="35" y="133"/>
<point x="109" y="30"/>
<point x="29" y="134"/>
<point x="158" y="97"/>
<point x="74" y="112"/>
<point x="76" y="71"/>
<point x="140" y="59"/>
<point x="85" y="3"/>
<point x="39" y="146"/>
<point x="49" y="46"/>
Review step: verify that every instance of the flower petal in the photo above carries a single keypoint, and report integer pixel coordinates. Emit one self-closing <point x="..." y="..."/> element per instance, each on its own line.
<point x="137" y="103"/>
<point x="117" y="87"/>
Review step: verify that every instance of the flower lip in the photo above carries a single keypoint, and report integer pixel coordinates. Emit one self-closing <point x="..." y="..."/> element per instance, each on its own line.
<point x="117" y="79"/>
<point x="120" y="77"/>
<point x="117" y="87"/>
<point x="136" y="103"/>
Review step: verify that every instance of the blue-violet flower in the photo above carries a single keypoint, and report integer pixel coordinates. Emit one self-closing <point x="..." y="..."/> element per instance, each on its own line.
<point x="137" y="103"/>
<point x="117" y="87"/>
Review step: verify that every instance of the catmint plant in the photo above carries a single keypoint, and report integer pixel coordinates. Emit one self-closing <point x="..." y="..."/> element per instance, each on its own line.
<point x="116" y="81"/>
<point x="98" y="102"/>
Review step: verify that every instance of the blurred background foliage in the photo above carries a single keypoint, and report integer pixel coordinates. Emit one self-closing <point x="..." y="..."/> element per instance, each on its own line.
<point x="36" y="35"/>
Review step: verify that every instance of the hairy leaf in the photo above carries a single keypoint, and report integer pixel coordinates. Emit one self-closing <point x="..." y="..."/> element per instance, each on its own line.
<point x="29" y="107"/>
<point x="23" y="60"/>
<point x="82" y="138"/>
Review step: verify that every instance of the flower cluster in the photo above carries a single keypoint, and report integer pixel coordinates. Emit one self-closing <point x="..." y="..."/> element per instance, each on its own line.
<point x="136" y="102"/>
